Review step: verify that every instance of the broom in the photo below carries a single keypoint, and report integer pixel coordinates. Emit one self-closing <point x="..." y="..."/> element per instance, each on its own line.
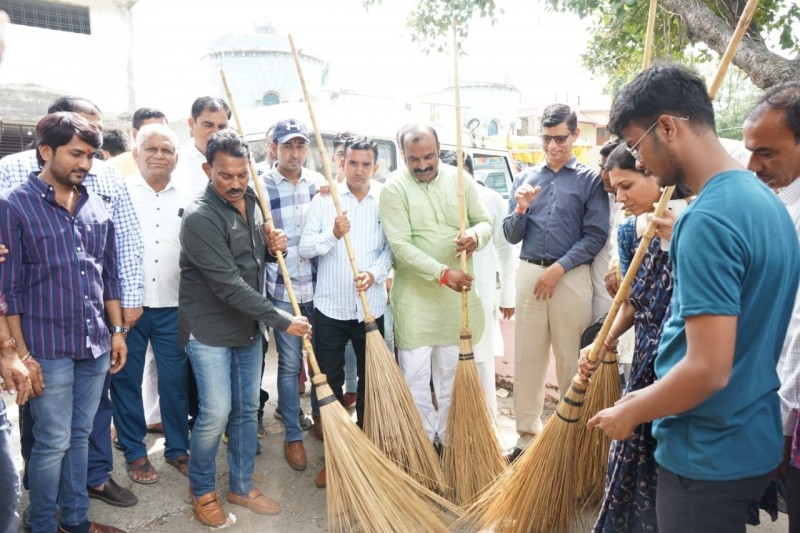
<point x="471" y="458"/>
<point x="391" y="418"/>
<point x="366" y="491"/>
<point x="593" y="446"/>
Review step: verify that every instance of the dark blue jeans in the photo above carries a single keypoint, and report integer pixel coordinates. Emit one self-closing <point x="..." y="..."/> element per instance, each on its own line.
<point x="158" y="326"/>
<point x="9" y="496"/>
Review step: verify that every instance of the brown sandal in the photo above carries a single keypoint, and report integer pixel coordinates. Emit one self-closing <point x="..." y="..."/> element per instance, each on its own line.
<point x="181" y="464"/>
<point x="208" y="509"/>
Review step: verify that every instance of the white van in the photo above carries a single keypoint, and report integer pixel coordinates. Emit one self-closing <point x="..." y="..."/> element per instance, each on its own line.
<point x="494" y="167"/>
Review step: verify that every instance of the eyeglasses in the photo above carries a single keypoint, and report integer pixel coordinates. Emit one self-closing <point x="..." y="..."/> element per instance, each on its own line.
<point x="559" y="139"/>
<point x="632" y="149"/>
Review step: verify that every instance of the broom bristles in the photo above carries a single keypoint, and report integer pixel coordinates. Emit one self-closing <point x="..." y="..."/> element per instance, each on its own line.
<point x="537" y="493"/>
<point x="391" y="417"/>
<point x="592" y="445"/>
<point x="472" y="458"/>
<point x="367" y="491"/>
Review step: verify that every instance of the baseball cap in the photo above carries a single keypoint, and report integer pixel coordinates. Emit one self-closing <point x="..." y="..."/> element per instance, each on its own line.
<point x="288" y="129"/>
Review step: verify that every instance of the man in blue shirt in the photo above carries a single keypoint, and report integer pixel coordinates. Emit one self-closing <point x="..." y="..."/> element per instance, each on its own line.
<point x="62" y="283"/>
<point x="559" y="211"/>
<point x="736" y="262"/>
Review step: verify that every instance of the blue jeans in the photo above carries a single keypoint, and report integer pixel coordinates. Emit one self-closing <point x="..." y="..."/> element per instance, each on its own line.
<point x="9" y="496"/>
<point x="63" y="417"/>
<point x="228" y="381"/>
<point x="290" y="356"/>
<point x="158" y="326"/>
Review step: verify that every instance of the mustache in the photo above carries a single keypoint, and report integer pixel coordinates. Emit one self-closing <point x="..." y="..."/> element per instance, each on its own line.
<point x="423" y="170"/>
<point x="235" y="191"/>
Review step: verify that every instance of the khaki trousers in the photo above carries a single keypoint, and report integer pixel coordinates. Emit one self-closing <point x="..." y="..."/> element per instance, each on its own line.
<point x="540" y="324"/>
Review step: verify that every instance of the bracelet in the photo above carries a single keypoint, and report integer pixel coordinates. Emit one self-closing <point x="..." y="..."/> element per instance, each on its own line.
<point x="25" y="357"/>
<point x="443" y="277"/>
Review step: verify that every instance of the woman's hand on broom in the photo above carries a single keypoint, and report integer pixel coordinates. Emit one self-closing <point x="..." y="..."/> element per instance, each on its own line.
<point x="299" y="327"/>
<point x="618" y="421"/>
<point x="587" y="368"/>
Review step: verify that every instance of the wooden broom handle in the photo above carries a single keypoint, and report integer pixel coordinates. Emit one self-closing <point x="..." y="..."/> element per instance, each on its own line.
<point x="326" y="166"/>
<point x="624" y="289"/>
<point x="287" y="279"/>
<point x="648" y="39"/>
<point x="462" y="200"/>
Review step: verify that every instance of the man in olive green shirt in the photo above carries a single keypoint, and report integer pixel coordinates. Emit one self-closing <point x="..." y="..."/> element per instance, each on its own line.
<point x="425" y="242"/>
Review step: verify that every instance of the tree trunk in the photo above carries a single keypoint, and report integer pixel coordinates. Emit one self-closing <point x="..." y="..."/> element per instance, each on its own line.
<point x="764" y="68"/>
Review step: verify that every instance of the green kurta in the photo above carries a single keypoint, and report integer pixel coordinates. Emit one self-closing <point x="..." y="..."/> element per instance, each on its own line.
<point x="420" y="221"/>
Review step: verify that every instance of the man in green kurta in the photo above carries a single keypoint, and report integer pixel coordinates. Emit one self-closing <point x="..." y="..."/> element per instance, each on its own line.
<point x="420" y="216"/>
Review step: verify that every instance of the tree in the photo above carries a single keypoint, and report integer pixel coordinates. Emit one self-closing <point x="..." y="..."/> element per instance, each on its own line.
<point x="431" y="20"/>
<point x="687" y="30"/>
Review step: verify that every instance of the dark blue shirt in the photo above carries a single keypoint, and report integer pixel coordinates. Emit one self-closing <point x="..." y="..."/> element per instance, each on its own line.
<point x="568" y="220"/>
<point x="59" y="270"/>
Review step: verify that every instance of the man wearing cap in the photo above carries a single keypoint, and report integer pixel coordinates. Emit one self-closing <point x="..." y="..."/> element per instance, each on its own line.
<point x="290" y="188"/>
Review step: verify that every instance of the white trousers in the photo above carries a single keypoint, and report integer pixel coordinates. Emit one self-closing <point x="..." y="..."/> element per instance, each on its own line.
<point x="417" y="365"/>
<point x="152" y="408"/>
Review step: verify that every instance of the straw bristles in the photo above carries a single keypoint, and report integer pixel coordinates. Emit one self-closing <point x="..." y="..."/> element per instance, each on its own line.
<point x="593" y="444"/>
<point x="537" y="493"/>
<point x="391" y="418"/>
<point x="366" y="491"/>
<point x="472" y="458"/>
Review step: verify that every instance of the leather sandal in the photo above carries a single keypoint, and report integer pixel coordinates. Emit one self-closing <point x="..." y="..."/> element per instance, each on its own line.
<point x="256" y="501"/>
<point x="143" y="468"/>
<point x="181" y="464"/>
<point x="208" y="509"/>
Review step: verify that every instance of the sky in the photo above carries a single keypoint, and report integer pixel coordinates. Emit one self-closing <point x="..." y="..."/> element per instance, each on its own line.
<point x="370" y="52"/>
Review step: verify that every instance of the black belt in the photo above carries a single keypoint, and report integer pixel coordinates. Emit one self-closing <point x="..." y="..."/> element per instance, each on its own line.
<point x="540" y="262"/>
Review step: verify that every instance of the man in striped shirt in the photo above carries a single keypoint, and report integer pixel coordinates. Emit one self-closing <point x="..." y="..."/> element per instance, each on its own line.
<point x="61" y="283"/>
<point x="338" y="313"/>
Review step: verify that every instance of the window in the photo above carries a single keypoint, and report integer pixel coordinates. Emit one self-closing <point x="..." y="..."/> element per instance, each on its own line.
<point x="492" y="128"/>
<point x="493" y="171"/>
<point x="270" y="98"/>
<point x="48" y="15"/>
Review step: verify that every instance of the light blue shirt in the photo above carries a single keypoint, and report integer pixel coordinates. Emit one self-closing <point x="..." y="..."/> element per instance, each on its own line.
<point x="734" y="253"/>
<point x="335" y="295"/>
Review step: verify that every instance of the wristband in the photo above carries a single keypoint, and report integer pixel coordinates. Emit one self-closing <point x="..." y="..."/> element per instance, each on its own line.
<point x="443" y="277"/>
<point x="25" y="357"/>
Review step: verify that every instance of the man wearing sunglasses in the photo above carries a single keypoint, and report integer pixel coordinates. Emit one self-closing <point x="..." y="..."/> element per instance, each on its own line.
<point x="559" y="211"/>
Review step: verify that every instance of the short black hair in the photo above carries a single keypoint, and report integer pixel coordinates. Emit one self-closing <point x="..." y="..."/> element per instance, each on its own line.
<point x="361" y="143"/>
<point x="556" y="114"/>
<point x="146" y="113"/>
<point x="413" y="133"/>
<point x="448" y="157"/>
<point x="784" y="96"/>
<point x="226" y="141"/>
<point x="344" y="138"/>
<point x="664" y="88"/>
<point x="115" y="142"/>
<point x="209" y="103"/>
<point x="58" y="129"/>
<point x="75" y="104"/>
<point x="609" y="146"/>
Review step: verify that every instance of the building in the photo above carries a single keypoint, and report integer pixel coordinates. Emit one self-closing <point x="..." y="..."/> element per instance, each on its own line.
<point x="56" y="48"/>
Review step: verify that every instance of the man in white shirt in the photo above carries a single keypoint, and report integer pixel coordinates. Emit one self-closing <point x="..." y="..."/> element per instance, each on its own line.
<point x="338" y="312"/>
<point x="209" y="115"/>
<point x="159" y="204"/>
<point x="772" y="134"/>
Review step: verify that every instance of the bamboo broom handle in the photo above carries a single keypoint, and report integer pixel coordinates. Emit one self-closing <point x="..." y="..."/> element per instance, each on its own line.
<point x="622" y="293"/>
<point x="287" y="280"/>
<point x="648" y="40"/>
<point x="736" y="38"/>
<point x="326" y="166"/>
<point x="462" y="200"/>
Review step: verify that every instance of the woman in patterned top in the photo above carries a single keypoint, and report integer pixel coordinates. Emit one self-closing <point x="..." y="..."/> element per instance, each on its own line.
<point x="630" y="495"/>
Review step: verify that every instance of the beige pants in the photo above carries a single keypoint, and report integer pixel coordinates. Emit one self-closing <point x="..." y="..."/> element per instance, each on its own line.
<point x="559" y="322"/>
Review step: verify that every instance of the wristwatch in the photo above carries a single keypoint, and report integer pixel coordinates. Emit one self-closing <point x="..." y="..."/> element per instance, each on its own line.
<point x="118" y="329"/>
<point x="8" y="343"/>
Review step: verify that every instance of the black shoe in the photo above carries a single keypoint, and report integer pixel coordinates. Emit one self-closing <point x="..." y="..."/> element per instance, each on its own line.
<point x="512" y="454"/>
<point x="113" y="494"/>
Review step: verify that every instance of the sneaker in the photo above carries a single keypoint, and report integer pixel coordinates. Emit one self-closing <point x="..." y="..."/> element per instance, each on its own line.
<point x="261" y="431"/>
<point x="306" y="421"/>
<point x="349" y="400"/>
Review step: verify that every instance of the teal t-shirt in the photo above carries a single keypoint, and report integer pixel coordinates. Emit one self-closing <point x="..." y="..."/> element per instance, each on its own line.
<point x="734" y="253"/>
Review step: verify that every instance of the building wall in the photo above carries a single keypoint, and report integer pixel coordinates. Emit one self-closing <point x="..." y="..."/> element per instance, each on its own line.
<point x="93" y="66"/>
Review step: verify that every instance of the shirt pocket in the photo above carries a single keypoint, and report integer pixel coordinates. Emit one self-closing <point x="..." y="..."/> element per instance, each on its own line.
<point x="452" y="216"/>
<point x="95" y="237"/>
